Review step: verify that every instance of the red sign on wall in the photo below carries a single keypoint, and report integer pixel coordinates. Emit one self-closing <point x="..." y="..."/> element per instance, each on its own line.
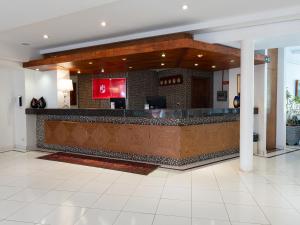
<point x="109" y="88"/>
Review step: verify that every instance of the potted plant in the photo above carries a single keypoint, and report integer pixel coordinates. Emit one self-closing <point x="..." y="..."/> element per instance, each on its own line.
<point x="292" y="121"/>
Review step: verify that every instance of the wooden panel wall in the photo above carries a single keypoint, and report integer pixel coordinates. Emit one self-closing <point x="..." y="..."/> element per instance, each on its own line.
<point x="209" y="138"/>
<point x="167" y="141"/>
<point x="272" y="99"/>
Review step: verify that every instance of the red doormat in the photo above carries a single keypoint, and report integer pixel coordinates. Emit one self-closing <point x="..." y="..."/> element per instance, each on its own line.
<point x="112" y="164"/>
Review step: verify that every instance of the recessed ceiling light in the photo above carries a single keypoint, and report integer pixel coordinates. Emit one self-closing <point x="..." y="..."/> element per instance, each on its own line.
<point x="130" y="67"/>
<point x="200" y="55"/>
<point x="90" y="63"/>
<point x="45" y="36"/>
<point x="79" y="72"/>
<point x="162" y="64"/>
<point x="232" y="60"/>
<point x="213" y="66"/>
<point x="196" y="64"/>
<point x="103" y="24"/>
<point x="124" y="59"/>
<point x="37" y="69"/>
<point x="163" y="55"/>
<point x="185" y="7"/>
<point x="102" y="70"/>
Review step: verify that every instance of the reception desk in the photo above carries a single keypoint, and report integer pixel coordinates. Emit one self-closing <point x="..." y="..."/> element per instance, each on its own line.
<point x="176" y="138"/>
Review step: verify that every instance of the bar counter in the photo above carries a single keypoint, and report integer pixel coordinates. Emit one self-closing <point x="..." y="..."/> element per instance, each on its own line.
<point x="173" y="138"/>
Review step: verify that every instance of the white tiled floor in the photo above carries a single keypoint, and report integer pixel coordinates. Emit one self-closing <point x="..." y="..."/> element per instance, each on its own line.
<point x="36" y="192"/>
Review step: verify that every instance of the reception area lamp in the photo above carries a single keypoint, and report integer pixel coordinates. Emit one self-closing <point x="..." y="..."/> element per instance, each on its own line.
<point x="65" y="86"/>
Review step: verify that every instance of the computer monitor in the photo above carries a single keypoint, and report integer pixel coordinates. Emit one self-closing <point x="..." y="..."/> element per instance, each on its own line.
<point x="156" y="102"/>
<point x="120" y="103"/>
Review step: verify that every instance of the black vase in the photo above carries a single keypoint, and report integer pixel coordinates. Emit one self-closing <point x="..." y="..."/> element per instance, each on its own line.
<point x="42" y="103"/>
<point x="236" y="101"/>
<point x="34" y="103"/>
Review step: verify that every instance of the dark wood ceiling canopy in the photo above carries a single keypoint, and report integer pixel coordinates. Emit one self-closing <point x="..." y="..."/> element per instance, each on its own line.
<point x="180" y="50"/>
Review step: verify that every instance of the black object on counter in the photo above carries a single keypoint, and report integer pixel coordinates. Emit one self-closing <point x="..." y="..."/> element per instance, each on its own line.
<point x="34" y="103"/>
<point x="42" y="103"/>
<point x="157" y="102"/>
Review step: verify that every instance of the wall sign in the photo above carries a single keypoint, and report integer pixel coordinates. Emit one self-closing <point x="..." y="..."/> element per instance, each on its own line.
<point x="171" y="80"/>
<point x="109" y="88"/>
<point x="268" y="59"/>
<point x="222" y="96"/>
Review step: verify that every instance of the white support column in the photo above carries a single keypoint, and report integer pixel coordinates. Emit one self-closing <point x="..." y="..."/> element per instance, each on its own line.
<point x="281" y="100"/>
<point x="247" y="105"/>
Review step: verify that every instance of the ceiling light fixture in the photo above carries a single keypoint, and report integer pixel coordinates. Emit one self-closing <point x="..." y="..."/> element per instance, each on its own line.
<point x="130" y="67"/>
<point x="102" y="70"/>
<point x="200" y="55"/>
<point x="79" y="72"/>
<point x="103" y="24"/>
<point x="90" y="63"/>
<point x="124" y="59"/>
<point x="213" y="66"/>
<point x="162" y="64"/>
<point x="196" y="64"/>
<point x="37" y="69"/>
<point x="163" y="55"/>
<point x="232" y="60"/>
<point x="185" y="7"/>
<point x="45" y="36"/>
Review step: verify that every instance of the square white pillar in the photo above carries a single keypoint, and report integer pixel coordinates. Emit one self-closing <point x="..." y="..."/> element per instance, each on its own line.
<point x="247" y="105"/>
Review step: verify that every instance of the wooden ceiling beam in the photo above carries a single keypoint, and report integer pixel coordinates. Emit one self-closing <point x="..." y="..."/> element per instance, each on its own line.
<point x="132" y="48"/>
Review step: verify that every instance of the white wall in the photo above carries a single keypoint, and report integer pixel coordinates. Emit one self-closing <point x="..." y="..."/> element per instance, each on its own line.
<point x="260" y="101"/>
<point x="32" y="84"/>
<point x="292" y="69"/>
<point x="288" y="73"/>
<point x="62" y="74"/>
<point x="20" y="123"/>
<point x="29" y="84"/>
<point x="41" y="84"/>
<point x="8" y="70"/>
<point x="260" y="89"/>
<point x="218" y="87"/>
<point x="281" y="100"/>
<point x="232" y="74"/>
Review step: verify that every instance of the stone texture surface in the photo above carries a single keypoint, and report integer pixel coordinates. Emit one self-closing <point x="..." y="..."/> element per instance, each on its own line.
<point x="136" y="120"/>
<point x="141" y="84"/>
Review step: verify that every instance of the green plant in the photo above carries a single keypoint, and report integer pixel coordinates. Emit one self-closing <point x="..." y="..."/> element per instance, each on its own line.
<point x="292" y="109"/>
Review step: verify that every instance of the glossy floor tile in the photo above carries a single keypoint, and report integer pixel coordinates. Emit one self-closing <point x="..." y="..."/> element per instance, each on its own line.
<point x="99" y="217"/>
<point x="171" y="220"/>
<point x="38" y="192"/>
<point x="130" y="218"/>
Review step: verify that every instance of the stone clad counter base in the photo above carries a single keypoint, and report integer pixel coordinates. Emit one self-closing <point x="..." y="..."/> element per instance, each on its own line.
<point x="176" y="143"/>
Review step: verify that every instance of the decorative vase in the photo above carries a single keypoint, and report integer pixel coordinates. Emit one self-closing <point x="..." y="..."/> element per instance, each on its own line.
<point x="34" y="103"/>
<point x="236" y="102"/>
<point x="42" y="103"/>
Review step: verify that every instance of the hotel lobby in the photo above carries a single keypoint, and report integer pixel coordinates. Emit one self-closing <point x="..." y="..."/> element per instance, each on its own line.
<point x="140" y="112"/>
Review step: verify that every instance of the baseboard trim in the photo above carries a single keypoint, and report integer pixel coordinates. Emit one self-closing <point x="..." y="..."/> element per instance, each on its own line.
<point x="6" y="148"/>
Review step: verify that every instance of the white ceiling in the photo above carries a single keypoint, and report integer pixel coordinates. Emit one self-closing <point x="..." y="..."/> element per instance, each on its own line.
<point x="76" y="21"/>
<point x="17" y="13"/>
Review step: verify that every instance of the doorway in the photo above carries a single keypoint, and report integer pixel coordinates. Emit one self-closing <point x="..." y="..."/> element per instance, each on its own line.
<point x="201" y="92"/>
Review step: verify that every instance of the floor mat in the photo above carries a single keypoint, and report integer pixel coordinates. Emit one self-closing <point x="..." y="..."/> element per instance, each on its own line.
<point x="112" y="164"/>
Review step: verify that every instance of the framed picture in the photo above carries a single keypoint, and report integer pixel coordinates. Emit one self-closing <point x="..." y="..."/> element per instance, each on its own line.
<point x="238" y="83"/>
<point x="222" y="96"/>
<point x="297" y="89"/>
<point x="171" y="80"/>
